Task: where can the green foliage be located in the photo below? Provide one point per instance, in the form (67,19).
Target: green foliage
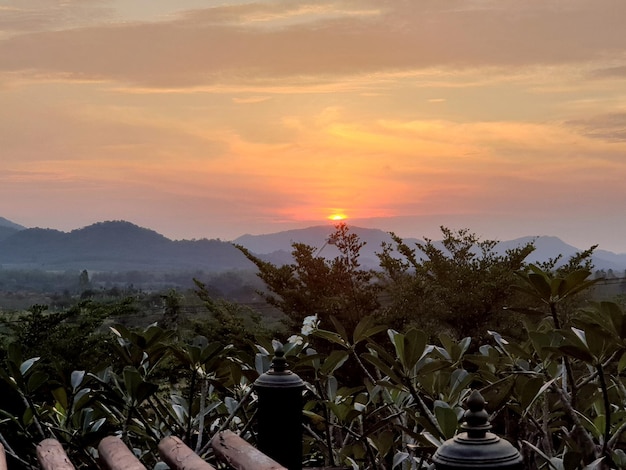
(460,286)
(60,338)
(378,395)
(316,286)
(229,322)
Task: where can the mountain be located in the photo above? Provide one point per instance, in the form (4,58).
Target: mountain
(8,228)
(273,244)
(115,246)
(7,223)
(546,247)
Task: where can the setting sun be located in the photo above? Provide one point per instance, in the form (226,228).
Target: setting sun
(337,217)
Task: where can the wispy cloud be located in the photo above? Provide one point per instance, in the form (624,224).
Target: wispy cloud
(208,46)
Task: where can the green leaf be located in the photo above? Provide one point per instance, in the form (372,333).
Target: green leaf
(595,464)
(397,339)
(541,390)
(497,393)
(340,329)
(541,285)
(60,395)
(334,361)
(530,391)
(619,458)
(431,366)
(76,379)
(576,352)
(384,368)
(27,364)
(36,380)
(331,336)
(14,353)
(446,417)
(557,288)
(398,458)
(365,329)
(414,345)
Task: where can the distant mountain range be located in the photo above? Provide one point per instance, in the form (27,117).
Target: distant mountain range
(123,246)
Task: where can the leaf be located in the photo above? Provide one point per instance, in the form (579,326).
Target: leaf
(497,393)
(398,343)
(541,285)
(60,395)
(543,388)
(262,363)
(365,328)
(331,336)
(398,458)
(619,458)
(595,464)
(577,353)
(414,345)
(446,417)
(340,329)
(463,346)
(553,464)
(36,380)
(27,364)
(384,368)
(557,288)
(76,379)
(529,392)
(459,379)
(431,366)
(334,361)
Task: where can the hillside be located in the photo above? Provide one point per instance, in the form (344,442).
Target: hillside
(8,228)
(115,246)
(122,246)
(546,247)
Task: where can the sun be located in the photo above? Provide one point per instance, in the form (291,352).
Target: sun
(337,217)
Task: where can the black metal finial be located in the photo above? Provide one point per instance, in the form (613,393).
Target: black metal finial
(476,448)
(279,363)
(476,419)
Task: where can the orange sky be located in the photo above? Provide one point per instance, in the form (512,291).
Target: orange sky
(201,118)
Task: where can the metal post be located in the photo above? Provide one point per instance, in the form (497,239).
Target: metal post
(279,415)
(476,447)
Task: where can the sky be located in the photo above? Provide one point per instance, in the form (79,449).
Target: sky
(212,119)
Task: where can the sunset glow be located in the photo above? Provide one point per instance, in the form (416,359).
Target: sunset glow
(199,118)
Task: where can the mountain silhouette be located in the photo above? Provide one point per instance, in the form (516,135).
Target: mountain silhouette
(8,228)
(116,246)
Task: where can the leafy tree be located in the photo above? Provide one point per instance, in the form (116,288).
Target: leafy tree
(83,280)
(61,338)
(460,286)
(313,285)
(229,323)
(172,310)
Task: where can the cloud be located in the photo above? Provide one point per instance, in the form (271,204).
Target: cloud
(610,72)
(250,99)
(608,127)
(19,17)
(221,44)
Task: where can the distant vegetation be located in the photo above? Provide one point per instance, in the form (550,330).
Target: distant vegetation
(389,354)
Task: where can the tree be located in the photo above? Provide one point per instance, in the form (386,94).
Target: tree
(461,285)
(314,285)
(83,280)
